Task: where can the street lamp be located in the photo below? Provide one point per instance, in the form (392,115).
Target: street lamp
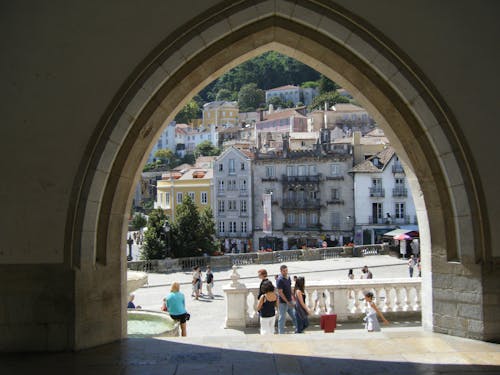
(166,230)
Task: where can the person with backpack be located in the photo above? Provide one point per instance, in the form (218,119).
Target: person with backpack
(209,279)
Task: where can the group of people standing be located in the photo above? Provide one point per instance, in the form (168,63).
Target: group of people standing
(286,301)
(198,282)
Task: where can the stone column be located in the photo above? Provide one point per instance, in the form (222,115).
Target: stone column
(236,302)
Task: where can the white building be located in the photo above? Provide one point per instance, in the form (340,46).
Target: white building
(382,199)
(232,203)
(292,93)
(167,140)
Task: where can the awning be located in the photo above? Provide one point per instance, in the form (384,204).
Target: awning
(395,232)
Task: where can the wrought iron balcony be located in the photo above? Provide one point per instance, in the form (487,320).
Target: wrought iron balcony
(301,179)
(301,227)
(335,177)
(290,203)
(399,192)
(377,192)
(335,201)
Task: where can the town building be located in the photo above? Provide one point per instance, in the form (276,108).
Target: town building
(232,204)
(382,198)
(347,116)
(220,113)
(165,141)
(174,185)
(302,198)
(294,94)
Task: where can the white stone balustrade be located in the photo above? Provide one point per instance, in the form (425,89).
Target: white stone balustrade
(397,296)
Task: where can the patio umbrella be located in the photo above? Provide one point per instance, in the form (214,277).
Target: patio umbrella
(402,236)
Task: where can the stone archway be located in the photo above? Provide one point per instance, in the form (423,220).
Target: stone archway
(335,43)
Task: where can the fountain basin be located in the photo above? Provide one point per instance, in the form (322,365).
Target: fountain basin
(147,323)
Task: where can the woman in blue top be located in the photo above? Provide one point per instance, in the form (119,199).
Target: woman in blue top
(177,307)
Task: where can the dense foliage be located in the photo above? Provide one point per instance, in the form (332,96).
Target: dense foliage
(206,148)
(155,237)
(139,221)
(268,70)
(192,232)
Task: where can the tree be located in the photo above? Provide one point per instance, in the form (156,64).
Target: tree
(250,97)
(139,221)
(155,241)
(225,95)
(186,230)
(188,113)
(331,98)
(207,231)
(206,148)
(326,85)
(276,101)
(166,156)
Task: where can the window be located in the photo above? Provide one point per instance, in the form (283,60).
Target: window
(314,194)
(179,197)
(221,206)
(302,170)
(222,227)
(242,166)
(270,171)
(312,170)
(167,199)
(243,225)
(335,170)
(290,170)
(302,219)
(231,205)
(231,185)
(221,167)
(314,219)
(231,166)
(291,219)
(377,183)
(400,210)
(221,185)
(191,195)
(243,185)
(400,182)
(243,206)
(232,226)
(204,197)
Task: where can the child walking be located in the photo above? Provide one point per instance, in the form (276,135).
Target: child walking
(371,321)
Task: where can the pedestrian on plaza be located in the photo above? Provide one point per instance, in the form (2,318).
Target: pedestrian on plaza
(284,286)
(262,273)
(419,267)
(209,279)
(371,321)
(176,306)
(301,310)
(268,302)
(411,265)
(350,274)
(196,282)
(131,304)
(366,273)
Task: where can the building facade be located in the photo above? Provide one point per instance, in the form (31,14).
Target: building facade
(220,113)
(171,189)
(382,198)
(232,204)
(293,94)
(311,199)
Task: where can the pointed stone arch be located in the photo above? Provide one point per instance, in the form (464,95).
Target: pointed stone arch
(448,199)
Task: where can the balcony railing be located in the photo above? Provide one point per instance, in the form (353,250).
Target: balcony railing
(291,203)
(407,219)
(243,192)
(234,234)
(302,227)
(269,179)
(377,192)
(335,177)
(293,179)
(335,201)
(400,192)
(397,168)
(396,298)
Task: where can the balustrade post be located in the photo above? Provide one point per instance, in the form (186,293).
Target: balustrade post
(236,302)
(339,302)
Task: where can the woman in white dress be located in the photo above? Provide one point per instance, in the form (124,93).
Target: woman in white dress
(371,321)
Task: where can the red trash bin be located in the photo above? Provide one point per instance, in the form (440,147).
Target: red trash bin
(328,322)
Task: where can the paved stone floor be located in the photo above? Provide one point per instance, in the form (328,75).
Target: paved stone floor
(401,348)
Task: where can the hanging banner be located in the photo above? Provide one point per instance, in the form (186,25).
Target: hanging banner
(267,224)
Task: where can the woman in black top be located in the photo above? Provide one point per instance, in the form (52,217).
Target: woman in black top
(268,303)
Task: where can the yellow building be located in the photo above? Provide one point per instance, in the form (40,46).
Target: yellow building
(171,189)
(220,113)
